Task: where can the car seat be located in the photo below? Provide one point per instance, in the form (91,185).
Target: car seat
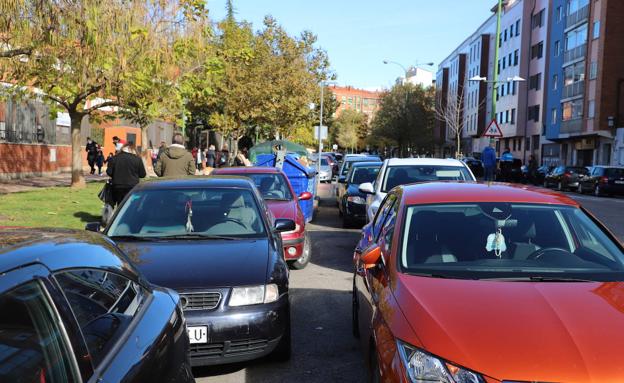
(166,216)
(522,237)
(423,240)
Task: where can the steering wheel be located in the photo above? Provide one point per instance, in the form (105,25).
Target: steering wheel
(537,254)
(234,221)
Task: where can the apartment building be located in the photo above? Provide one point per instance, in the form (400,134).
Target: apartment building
(364,101)
(586,83)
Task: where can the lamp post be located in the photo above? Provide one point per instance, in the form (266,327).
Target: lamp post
(320,127)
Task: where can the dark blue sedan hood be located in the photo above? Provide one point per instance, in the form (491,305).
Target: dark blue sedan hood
(191,264)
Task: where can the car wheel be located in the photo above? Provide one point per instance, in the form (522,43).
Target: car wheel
(283,351)
(355,321)
(346,221)
(579,189)
(303,261)
(545,184)
(597,191)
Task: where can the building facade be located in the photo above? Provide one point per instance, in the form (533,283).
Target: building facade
(419,76)
(361,100)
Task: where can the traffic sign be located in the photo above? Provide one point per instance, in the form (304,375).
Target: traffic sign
(323,132)
(493,130)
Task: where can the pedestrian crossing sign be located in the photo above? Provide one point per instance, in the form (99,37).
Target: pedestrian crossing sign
(493,130)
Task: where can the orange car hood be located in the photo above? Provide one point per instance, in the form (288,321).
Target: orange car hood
(519,331)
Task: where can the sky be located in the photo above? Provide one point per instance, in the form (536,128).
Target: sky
(359,34)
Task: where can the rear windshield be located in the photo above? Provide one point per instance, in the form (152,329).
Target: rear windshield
(271,186)
(347,165)
(403,175)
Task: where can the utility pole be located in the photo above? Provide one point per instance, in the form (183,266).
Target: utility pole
(320,129)
(496,57)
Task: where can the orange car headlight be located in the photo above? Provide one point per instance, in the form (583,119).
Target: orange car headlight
(423,367)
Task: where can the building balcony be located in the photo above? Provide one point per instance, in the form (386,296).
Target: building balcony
(573,90)
(574,54)
(572,126)
(577,17)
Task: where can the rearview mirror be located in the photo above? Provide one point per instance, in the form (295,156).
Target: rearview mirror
(371,256)
(282,225)
(93,226)
(305,196)
(367,188)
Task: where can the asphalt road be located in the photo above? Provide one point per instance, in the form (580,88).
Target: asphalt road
(323,348)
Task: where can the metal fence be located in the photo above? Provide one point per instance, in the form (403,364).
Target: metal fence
(26,122)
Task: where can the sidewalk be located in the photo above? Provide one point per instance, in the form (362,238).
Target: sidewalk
(33,183)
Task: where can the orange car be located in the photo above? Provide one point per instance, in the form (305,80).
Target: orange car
(476,283)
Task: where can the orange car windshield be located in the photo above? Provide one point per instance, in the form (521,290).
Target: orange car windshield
(489,240)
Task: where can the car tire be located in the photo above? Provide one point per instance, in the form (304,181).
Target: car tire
(355,321)
(597,191)
(303,261)
(579,189)
(545,184)
(346,222)
(283,351)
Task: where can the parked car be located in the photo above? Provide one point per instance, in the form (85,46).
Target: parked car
(565,177)
(401,171)
(516,174)
(213,240)
(350,159)
(475,165)
(525,290)
(283,204)
(73,309)
(351,201)
(541,174)
(603,180)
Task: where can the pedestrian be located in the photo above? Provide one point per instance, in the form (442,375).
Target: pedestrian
(119,143)
(211,156)
(175,161)
(506,164)
(91,149)
(99,159)
(488,157)
(125,172)
(223,157)
(532,169)
(109,158)
(241,158)
(199,159)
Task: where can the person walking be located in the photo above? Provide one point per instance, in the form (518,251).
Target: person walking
(223,157)
(532,169)
(91,150)
(211,156)
(119,143)
(199,159)
(99,160)
(175,161)
(488,157)
(241,158)
(125,171)
(506,164)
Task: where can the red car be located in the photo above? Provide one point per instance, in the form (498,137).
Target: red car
(283,203)
(477,283)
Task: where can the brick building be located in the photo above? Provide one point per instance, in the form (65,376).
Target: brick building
(364,101)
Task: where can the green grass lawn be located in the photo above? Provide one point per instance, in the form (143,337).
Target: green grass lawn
(52,207)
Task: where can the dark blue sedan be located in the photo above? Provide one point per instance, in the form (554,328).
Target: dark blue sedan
(351,201)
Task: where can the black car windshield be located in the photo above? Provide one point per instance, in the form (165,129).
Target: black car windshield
(363,174)
(347,165)
(408,174)
(271,186)
(502,240)
(209,212)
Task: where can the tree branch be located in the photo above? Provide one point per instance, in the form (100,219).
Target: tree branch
(63,103)
(15,52)
(100,106)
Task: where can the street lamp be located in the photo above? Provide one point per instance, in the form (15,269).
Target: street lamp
(406,70)
(320,128)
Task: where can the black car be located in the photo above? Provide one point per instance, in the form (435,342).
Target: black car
(603,180)
(73,309)
(475,165)
(350,159)
(351,201)
(565,177)
(214,241)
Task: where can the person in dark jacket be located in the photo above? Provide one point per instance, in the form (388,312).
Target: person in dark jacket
(91,150)
(488,157)
(175,161)
(211,156)
(125,171)
(99,160)
(223,157)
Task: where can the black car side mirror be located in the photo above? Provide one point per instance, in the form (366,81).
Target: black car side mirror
(282,225)
(93,226)
(342,180)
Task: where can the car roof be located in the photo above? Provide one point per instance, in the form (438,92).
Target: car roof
(361,157)
(59,249)
(458,192)
(361,164)
(424,161)
(246,170)
(196,182)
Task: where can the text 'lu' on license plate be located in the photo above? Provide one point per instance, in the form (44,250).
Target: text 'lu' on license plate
(197,334)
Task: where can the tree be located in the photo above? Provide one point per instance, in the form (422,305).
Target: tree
(20,35)
(451,113)
(405,118)
(350,126)
(92,60)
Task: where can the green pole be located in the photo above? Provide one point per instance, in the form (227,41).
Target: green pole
(496,55)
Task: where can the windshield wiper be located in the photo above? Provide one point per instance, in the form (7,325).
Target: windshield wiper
(196,236)
(130,238)
(536,279)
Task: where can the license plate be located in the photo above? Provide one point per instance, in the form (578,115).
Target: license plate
(197,334)
(619,182)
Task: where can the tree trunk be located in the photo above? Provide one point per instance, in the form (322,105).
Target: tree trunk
(77,180)
(458,152)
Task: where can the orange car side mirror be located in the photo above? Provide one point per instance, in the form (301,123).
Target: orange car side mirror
(371,256)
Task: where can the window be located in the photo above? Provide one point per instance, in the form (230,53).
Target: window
(559,14)
(557,48)
(537,50)
(506,117)
(537,20)
(536,141)
(504,62)
(516,57)
(553,116)
(380,218)
(535,82)
(555,82)
(572,110)
(513,116)
(596,33)
(591,109)
(518,27)
(534,113)
(514,145)
(505,35)
(593,70)
(527,144)
(519,144)
(513,87)
(576,37)
(32,346)
(511,30)
(401,175)
(574,73)
(103,303)
(388,229)
(499,65)
(576,5)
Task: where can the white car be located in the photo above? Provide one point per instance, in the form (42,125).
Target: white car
(401,171)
